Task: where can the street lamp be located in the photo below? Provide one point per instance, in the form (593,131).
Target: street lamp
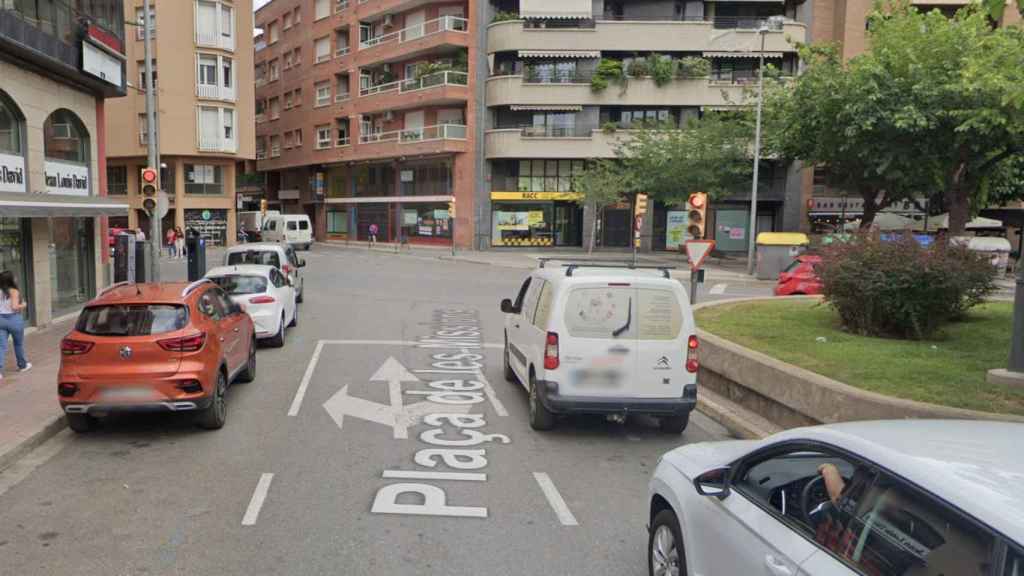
(772,24)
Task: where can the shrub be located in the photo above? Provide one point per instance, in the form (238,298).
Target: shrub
(609,127)
(900,288)
(607,71)
(662,68)
(638,68)
(504,17)
(692,67)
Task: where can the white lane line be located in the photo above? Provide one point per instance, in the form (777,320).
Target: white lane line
(555,499)
(717,289)
(499,408)
(253,511)
(22,467)
(301,392)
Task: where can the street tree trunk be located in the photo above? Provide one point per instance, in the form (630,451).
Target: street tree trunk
(871,207)
(593,229)
(958,200)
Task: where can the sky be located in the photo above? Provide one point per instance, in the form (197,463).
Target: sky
(257,4)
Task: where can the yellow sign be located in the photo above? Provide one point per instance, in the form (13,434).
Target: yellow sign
(535,217)
(534,196)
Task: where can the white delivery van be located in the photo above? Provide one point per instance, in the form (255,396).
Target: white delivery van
(293,229)
(602,339)
(253,221)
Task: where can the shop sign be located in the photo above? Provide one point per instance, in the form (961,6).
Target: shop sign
(441,214)
(534,196)
(535,218)
(12,173)
(210,224)
(675,229)
(409,217)
(407,175)
(511,220)
(65,178)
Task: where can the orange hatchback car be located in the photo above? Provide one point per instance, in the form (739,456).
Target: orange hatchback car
(155,347)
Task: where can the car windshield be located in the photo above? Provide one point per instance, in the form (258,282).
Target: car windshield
(241,284)
(132,319)
(265,257)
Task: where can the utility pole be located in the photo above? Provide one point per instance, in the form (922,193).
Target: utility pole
(154,157)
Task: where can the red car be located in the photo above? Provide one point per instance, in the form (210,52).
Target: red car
(799,277)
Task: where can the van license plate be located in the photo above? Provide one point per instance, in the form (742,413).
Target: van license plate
(597,379)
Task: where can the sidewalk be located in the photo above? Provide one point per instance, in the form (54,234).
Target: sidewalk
(716,268)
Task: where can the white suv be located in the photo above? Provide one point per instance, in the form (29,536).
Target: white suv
(601,339)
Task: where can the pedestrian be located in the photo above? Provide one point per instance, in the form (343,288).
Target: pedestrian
(140,236)
(171,248)
(373,234)
(11,321)
(179,241)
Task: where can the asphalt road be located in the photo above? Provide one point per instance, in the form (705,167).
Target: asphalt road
(304,479)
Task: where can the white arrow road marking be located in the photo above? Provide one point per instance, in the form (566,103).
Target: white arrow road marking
(717,289)
(555,499)
(394,374)
(252,513)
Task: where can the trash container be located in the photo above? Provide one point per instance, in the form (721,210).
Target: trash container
(776,251)
(997,249)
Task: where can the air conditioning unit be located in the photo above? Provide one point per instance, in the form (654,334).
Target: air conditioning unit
(389,116)
(389,20)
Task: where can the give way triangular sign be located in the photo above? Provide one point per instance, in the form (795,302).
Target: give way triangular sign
(697,251)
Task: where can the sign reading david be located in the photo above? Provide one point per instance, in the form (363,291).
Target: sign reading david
(12,173)
(66,178)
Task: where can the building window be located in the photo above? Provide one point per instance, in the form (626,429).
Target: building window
(322,49)
(287,20)
(275,146)
(65,138)
(298,137)
(261,73)
(207,70)
(11,127)
(142,73)
(143,130)
(323,93)
(322,9)
(548,175)
(217,129)
(275,108)
(341,87)
(117,180)
(203,179)
(229,124)
(298,15)
(275,70)
(227,67)
(289,140)
(272,32)
(227,26)
(215,25)
(342,129)
(261,148)
(323,137)
(298,55)
(298,96)
(289,101)
(288,60)
(140,17)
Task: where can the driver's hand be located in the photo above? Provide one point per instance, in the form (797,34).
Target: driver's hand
(834,482)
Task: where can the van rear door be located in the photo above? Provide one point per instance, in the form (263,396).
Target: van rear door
(598,346)
(662,333)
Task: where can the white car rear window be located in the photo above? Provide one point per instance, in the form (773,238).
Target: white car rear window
(601,312)
(658,314)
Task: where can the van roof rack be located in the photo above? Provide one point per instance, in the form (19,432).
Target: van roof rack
(572,265)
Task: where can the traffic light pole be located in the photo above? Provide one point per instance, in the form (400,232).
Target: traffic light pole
(154,158)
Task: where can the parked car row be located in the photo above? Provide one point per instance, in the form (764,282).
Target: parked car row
(176,347)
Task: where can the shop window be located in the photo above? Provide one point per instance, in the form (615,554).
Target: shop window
(203,179)
(65,138)
(73,284)
(337,222)
(11,126)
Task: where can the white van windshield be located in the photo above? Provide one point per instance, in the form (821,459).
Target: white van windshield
(617,312)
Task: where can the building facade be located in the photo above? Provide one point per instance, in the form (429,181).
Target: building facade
(59,62)
(365,116)
(205,126)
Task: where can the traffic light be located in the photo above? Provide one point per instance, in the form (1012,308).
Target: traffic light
(451,209)
(150,186)
(697,205)
(640,206)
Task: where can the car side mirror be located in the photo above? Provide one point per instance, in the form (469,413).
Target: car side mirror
(239,308)
(713,483)
(301,263)
(507,307)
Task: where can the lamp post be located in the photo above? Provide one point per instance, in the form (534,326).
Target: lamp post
(772,24)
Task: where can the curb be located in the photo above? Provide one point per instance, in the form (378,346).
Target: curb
(49,430)
(739,421)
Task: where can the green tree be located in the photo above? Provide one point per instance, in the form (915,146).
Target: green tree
(996,9)
(601,184)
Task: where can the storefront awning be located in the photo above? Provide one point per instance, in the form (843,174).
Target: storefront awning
(19,205)
(559,53)
(548,107)
(578,9)
(745,54)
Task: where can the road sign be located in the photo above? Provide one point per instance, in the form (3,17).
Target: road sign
(162,204)
(697,251)
(395,414)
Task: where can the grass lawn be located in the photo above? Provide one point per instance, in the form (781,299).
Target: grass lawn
(949,370)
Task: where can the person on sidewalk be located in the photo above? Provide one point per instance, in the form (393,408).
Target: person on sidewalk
(140,236)
(11,321)
(169,240)
(179,242)
(373,234)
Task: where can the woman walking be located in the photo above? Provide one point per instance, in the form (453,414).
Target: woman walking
(171,245)
(11,322)
(179,241)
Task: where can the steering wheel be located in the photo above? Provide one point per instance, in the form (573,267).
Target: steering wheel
(805,497)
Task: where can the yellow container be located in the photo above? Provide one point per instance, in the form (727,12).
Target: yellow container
(783,239)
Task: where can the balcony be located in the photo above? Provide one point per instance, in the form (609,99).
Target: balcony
(261,118)
(341,51)
(342,142)
(551,142)
(643,35)
(215,92)
(340,6)
(415,40)
(217,143)
(372,8)
(437,89)
(437,139)
(514,90)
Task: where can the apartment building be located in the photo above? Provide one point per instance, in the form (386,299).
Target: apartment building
(365,115)
(59,62)
(203,74)
(546,117)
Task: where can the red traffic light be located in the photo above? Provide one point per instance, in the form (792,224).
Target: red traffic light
(148,175)
(697,200)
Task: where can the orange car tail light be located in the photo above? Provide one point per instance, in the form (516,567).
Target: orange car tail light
(71,347)
(190,343)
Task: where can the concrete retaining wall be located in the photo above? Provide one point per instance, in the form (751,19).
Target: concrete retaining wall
(790,396)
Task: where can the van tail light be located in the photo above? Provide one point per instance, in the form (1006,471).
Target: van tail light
(70,347)
(190,343)
(691,354)
(551,352)
(262,300)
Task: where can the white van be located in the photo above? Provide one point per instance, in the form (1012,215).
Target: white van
(602,339)
(294,229)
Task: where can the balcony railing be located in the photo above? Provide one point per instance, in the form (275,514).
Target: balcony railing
(341,51)
(275,150)
(342,141)
(534,76)
(261,118)
(558,131)
(413,135)
(261,154)
(143,138)
(443,78)
(215,92)
(340,5)
(341,97)
(217,144)
(428,28)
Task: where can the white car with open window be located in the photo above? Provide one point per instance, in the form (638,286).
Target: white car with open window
(602,339)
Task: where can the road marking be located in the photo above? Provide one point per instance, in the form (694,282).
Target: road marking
(492,345)
(21,468)
(418,475)
(253,511)
(301,392)
(717,289)
(499,408)
(555,499)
